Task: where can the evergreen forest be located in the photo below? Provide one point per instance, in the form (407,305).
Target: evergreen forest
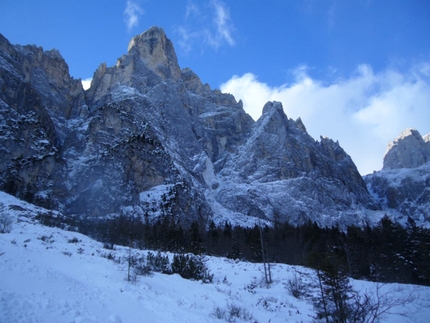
(387,252)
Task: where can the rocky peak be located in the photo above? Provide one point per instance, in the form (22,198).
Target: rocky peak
(192,82)
(157,52)
(408,150)
(402,186)
(427,141)
(44,77)
(151,59)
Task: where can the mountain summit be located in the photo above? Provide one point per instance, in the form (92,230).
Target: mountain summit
(149,139)
(408,150)
(403,185)
(157,52)
(151,58)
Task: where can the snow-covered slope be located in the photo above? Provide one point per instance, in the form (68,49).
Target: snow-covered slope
(51,275)
(403,192)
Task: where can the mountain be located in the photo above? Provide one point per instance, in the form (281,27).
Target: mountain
(150,139)
(402,187)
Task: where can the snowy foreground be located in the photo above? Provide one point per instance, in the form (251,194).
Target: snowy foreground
(51,275)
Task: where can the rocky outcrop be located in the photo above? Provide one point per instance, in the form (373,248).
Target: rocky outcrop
(402,187)
(151,140)
(282,173)
(408,150)
(38,98)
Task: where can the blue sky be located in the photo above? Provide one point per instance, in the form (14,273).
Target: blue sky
(356,71)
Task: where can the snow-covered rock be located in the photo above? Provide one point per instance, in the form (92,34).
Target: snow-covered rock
(145,123)
(402,187)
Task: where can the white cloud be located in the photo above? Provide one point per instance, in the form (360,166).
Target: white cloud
(191,9)
(132,14)
(223,22)
(210,25)
(86,83)
(364,112)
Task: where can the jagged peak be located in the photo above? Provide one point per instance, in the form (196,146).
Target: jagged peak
(408,132)
(150,57)
(408,150)
(156,50)
(273,107)
(192,81)
(299,123)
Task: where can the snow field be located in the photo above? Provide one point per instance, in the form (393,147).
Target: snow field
(51,275)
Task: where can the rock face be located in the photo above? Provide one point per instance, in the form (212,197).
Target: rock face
(409,150)
(149,139)
(403,186)
(37,99)
(283,173)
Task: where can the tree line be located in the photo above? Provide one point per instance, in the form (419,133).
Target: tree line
(387,252)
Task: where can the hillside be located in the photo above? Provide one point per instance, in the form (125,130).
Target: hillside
(51,275)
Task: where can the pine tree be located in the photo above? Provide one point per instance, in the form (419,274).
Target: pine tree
(335,292)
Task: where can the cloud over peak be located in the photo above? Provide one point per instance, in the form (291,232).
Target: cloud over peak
(364,111)
(223,22)
(132,14)
(209,24)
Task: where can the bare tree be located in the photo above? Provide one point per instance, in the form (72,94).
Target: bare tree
(267,271)
(373,306)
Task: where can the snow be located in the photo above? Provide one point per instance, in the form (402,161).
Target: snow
(400,180)
(155,194)
(396,176)
(153,198)
(123,92)
(51,275)
(208,173)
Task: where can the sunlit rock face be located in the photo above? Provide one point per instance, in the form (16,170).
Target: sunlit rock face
(150,139)
(151,59)
(408,150)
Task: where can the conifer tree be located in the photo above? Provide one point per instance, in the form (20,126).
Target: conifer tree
(335,292)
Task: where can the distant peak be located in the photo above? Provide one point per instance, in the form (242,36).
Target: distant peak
(408,150)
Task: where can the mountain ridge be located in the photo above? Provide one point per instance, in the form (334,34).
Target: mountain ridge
(146,126)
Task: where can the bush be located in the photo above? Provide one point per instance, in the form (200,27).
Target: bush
(295,286)
(5,223)
(191,267)
(219,313)
(269,303)
(158,262)
(73,240)
(232,313)
(140,266)
(109,246)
